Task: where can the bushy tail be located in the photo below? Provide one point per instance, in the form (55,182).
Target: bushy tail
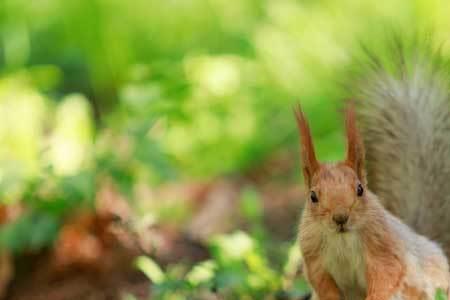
(403,110)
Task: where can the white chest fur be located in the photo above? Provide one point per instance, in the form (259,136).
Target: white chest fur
(343,258)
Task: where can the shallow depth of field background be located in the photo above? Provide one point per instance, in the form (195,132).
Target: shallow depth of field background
(176,117)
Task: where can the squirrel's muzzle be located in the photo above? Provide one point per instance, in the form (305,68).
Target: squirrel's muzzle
(340,219)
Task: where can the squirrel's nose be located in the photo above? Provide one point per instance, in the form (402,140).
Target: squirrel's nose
(340,219)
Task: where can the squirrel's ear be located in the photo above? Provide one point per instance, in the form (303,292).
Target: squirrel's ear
(355,146)
(309,162)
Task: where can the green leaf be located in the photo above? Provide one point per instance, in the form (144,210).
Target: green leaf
(440,295)
(32,231)
(151,269)
(202,272)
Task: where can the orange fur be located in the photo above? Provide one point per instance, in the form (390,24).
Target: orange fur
(324,283)
(413,293)
(385,268)
(310,163)
(355,147)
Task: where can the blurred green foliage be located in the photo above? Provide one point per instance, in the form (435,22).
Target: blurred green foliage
(237,270)
(151,91)
(219,79)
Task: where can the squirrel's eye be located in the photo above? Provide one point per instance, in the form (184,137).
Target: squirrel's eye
(359,190)
(314,198)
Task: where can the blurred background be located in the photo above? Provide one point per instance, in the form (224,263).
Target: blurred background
(148,148)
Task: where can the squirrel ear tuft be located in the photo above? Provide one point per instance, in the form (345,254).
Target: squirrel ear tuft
(355,146)
(310,165)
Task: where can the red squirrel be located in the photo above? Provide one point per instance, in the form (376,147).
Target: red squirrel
(353,248)
(390,197)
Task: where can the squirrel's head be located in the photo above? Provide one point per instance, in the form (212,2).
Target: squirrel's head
(337,195)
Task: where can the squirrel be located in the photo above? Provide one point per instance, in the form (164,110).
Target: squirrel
(373,226)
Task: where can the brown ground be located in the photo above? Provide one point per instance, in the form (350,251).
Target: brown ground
(110,276)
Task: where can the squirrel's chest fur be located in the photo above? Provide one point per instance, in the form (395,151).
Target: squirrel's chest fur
(342,256)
